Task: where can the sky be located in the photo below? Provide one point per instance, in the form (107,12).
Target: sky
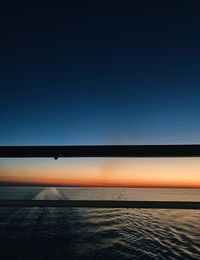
(99,72)
(102,172)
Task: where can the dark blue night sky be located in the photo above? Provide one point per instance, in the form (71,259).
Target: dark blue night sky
(100,72)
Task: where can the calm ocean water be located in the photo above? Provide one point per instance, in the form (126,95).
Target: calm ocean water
(59,233)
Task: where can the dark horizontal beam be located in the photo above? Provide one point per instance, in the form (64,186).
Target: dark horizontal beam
(101,204)
(101,151)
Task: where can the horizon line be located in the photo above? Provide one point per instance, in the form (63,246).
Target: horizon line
(11,184)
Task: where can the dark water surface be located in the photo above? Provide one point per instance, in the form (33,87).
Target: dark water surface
(59,233)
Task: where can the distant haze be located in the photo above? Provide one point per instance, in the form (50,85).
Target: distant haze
(103,172)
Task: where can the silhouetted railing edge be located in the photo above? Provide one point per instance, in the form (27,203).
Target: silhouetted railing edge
(102,204)
(101,151)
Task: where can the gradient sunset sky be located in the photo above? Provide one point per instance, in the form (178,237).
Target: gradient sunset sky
(100,72)
(102,172)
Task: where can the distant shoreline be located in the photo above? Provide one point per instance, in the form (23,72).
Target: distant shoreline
(91,186)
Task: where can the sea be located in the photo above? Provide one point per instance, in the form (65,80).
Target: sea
(98,233)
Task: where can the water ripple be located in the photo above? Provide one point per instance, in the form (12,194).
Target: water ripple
(52,233)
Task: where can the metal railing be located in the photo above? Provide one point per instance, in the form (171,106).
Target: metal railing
(143,151)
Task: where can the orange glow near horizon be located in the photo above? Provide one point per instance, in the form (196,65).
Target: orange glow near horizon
(180,173)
